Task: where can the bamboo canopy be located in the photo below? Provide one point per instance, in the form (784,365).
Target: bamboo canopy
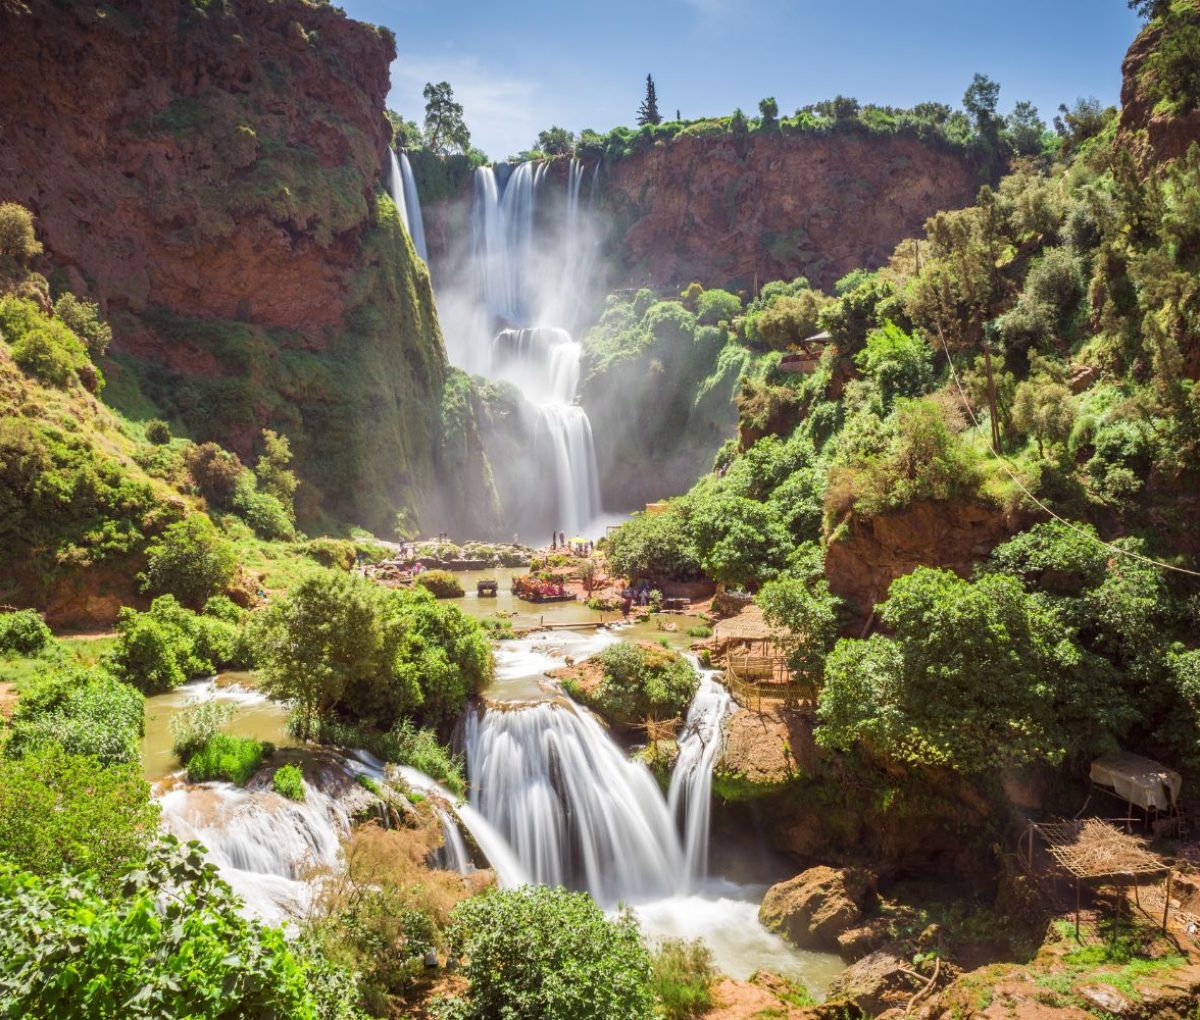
(1091,848)
(746,628)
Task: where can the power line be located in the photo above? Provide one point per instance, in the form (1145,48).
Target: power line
(1037,502)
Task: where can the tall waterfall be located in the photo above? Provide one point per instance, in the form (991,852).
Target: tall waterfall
(530,263)
(402,187)
(575,811)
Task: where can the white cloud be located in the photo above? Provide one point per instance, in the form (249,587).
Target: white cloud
(504,111)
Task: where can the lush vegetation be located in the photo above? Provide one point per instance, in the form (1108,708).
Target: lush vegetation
(682,975)
(442,583)
(226,757)
(640,682)
(339,647)
(547,953)
(288,781)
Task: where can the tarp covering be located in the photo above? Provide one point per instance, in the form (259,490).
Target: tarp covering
(1138,780)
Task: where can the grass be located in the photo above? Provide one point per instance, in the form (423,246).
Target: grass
(700,631)
(288,781)
(233,759)
(682,978)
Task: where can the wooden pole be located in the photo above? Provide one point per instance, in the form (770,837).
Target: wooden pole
(1077,904)
(1167,902)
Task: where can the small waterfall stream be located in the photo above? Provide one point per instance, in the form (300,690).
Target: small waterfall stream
(402,187)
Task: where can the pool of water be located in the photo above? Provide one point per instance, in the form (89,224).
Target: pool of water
(254,715)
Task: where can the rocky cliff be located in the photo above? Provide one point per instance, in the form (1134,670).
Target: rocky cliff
(776,206)
(208,170)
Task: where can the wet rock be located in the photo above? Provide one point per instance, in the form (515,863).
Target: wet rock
(814,908)
(875,983)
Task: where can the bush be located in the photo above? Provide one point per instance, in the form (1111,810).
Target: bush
(340,645)
(234,759)
(716,306)
(331,552)
(49,355)
(653,546)
(191,561)
(551,954)
(900,363)
(195,725)
(128,954)
(158,432)
(61,810)
(215,472)
(288,782)
(682,976)
(269,518)
(83,318)
(442,583)
(18,241)
(642,681)
(167,645)
(83,711)
(404,744)
(23,632)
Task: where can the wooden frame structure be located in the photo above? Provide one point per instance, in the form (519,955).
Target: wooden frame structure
(1091,849)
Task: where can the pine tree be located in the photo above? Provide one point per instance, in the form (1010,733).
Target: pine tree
(648,111)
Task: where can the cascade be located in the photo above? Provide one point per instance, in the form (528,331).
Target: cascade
(402,187)
(575,811)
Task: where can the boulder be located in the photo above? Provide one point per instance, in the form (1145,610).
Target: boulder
(874,984)
(814,908)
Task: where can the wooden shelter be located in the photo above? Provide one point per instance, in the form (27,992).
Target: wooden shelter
(803,360)
(1091,849)
(756,660)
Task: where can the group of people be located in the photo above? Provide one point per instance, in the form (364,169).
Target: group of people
(558,540)
(638,595)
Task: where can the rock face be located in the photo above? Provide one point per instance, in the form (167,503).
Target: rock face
(1160,137)
(209,173)
(763,752)
(874,984)
(776,206)
(814,908)
(862,563)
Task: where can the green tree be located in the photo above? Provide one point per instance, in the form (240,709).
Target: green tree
(551,954)
(980,101)
(556,142)
(808,611)
(654,546)
(1025,130)
(648,111)
(406,134)
(445,130)
(769,110)
(900,363)
(18,241)
(1150,9)
(215,472)
(1044,409)
(191,561)
(84,319)
(61,810)
(969,681)
(274,476)
(740,541)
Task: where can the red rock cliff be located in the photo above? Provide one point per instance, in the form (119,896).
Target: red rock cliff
(776,206)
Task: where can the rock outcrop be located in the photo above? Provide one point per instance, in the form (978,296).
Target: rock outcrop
(864,559)
(814,908)
(1158,135)
(210,174)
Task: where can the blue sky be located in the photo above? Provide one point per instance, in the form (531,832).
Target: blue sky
(519,67)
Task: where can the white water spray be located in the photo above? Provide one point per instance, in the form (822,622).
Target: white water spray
(402,187)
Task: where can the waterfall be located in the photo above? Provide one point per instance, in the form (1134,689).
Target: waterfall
(529,268)
(402,187)
(690,796)
(412,204)
(573,809)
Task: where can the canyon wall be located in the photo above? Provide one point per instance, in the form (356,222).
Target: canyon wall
(208,171)
(774,206)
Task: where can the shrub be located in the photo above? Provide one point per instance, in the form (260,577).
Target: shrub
(61,810)
(275,479)
(83,318)
(49,355)
(191,561)
(331,552)
(404,744)
(643,681)
(716,306)
(699,631)
(340,645)
(195,725)
(18,241)
(288,782)
(23,632)
(83,711)
(234,759)
(158,432)
(549,953)
(215,473)
(442,583)
(900,363)
(127,953)
(264,513)
(654,546)
(681,977)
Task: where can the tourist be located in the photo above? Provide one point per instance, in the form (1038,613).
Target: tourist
(553,541)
